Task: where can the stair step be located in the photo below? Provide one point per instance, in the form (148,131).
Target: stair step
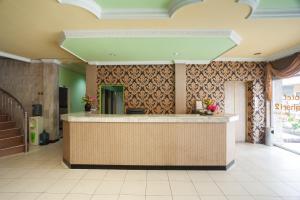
(12,150)
(8,135)
(4,118)
(11,141)
(7,125)
(11,130)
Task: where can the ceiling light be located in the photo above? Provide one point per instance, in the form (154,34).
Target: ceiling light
(256,54)
(112,54)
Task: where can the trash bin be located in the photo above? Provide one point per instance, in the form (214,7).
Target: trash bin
(269,136)
(44,138)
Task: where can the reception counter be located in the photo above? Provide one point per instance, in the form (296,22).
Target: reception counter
(149,141)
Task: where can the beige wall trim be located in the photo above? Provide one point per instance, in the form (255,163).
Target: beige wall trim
(180,88)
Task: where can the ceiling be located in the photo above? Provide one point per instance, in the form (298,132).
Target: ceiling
(131,9)
(34,29)
(148,46)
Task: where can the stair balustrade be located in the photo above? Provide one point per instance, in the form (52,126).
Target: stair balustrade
(11,106)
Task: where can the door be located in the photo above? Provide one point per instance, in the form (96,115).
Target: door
(63,104)
(235,103)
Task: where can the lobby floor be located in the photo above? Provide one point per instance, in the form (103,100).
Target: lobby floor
(260,172)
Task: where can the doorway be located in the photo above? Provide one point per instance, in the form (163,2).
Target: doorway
(63,105)
(285,116)
(236,103)
(112,99)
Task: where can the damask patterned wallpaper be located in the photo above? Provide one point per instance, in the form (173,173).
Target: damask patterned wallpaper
(209,81)
(150,86)
(153,88)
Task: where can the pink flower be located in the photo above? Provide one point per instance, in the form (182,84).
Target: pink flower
(212,108)
(93,98)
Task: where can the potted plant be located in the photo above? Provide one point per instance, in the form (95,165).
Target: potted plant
(88,100)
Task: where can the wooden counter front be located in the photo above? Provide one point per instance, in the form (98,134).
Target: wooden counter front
(149,145)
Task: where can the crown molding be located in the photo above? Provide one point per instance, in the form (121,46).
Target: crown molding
(51,61)
(14,56)
(138,14)
(72,53)
(96,9)
(257,13)
(240,59)
(274,13)
(251,3)
(89,5)
(152,33)
(47,61)
(195,62)
(163,62)
(178,4)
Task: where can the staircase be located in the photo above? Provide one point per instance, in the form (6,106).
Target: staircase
(13,125)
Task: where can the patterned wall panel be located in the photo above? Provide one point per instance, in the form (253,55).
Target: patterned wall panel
(150,86)
(153,88)
(208,81)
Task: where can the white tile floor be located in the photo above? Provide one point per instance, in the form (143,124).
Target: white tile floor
(260,173)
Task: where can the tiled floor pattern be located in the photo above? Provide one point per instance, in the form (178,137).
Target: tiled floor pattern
(260,173)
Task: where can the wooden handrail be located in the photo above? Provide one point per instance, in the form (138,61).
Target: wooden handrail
(14,98)
(7,97)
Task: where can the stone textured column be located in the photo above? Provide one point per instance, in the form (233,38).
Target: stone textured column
(50,99)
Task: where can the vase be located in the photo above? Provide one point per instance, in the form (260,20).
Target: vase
(208,112)
(87,107)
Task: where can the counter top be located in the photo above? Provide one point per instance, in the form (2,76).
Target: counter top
(148,118)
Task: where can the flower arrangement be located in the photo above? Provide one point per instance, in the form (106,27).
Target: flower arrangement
(88,100)
(210,106)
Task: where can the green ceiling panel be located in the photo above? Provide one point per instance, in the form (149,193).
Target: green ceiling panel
(134,4)
(131,9)
(273,8)
(134,49)
(279,4)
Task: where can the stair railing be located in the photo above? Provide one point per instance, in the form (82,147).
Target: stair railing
(11,106)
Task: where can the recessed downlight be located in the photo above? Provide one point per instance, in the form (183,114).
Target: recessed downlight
(112,54)
(175,54)
(257,53)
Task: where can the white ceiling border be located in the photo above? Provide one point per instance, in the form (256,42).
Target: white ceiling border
(90,5)
(101,13)
(257,13)
(252,3)
(274,13)
(130,62)
(177,4)
(165,62)
(151,33)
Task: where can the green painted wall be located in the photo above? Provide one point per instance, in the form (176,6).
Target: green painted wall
(76,84)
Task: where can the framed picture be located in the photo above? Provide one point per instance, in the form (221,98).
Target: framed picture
(199,105)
